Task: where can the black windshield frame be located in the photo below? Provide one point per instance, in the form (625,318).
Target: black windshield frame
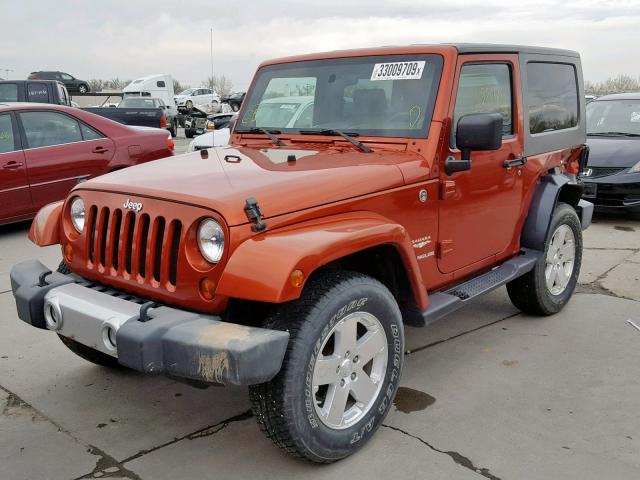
(269,72)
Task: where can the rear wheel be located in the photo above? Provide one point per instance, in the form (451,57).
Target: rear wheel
(84,352)
(341,370)
(174,128)
(83,89)
(548,287)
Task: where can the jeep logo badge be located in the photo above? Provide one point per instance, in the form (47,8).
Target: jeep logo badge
(135,206)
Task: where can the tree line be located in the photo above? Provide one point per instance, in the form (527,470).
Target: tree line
(618,84)
(219,83)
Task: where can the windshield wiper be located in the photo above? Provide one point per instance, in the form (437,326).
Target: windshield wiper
(613,134)
(268,133)
(347,136)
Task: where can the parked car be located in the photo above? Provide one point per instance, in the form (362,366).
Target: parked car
(291,259)
(151,102)
(157,86)
(143,117)
(612,174)
(192,97)
(213,138)
(199,122)
(234,100)
(45,150)
(39,91)
(292,112)
(72,83)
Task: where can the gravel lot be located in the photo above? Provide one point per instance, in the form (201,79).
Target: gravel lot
(488,392)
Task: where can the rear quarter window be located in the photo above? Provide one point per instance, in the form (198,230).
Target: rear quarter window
(552,98)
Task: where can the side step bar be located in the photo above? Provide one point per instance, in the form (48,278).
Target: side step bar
(442,304)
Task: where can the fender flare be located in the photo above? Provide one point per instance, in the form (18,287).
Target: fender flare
(552,188)
(260,268)
(45,228)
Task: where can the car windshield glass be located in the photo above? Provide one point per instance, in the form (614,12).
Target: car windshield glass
(138,102)
(613,117)
(389,96)
(188,91)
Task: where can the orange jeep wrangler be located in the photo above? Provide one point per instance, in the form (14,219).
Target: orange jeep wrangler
(361,191)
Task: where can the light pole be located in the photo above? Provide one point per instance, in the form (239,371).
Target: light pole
(211,58)
(6,72)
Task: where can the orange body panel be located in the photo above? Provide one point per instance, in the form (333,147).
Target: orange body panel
(332,201)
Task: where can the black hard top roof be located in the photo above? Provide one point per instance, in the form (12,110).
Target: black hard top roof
(505,48)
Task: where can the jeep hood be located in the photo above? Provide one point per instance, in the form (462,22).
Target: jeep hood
(227,176)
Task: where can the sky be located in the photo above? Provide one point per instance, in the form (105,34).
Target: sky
(128,39)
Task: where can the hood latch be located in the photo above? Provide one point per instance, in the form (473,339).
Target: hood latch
(254,214)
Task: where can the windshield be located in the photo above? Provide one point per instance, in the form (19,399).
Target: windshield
(188,91)
(613,117)
(138,102)
(389,96)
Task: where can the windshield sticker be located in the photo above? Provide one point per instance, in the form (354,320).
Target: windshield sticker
(398,71)
(635,117)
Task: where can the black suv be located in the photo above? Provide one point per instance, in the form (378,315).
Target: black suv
(73,84)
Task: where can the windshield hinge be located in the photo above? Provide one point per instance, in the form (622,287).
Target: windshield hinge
(254,214)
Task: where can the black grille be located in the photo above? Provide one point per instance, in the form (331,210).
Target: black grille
(602,171)
(130,245)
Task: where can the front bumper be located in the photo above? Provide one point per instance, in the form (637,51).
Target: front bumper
(614,192)
(154,340)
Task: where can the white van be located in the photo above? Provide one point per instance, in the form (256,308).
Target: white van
(158,86)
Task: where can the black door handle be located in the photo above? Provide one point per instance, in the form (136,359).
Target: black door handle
(100,149)
(518,162)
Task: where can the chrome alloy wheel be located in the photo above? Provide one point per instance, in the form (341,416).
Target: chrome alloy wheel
(349,370)
(560,259)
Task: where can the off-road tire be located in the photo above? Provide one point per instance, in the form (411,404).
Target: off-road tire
(174,128)
(284,407)
(84,352)
(529,292)
(188,132)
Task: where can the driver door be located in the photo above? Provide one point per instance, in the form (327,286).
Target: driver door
(480,208)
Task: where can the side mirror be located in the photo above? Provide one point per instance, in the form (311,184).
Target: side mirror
(476,131)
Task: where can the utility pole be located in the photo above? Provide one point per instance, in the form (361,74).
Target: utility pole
(211,58)
(6,72)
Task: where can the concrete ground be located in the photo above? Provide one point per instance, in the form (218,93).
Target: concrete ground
(488,392)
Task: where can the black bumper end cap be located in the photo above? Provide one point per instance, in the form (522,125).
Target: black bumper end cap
(28,291)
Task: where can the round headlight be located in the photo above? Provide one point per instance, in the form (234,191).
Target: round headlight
(77,213)
(211,240)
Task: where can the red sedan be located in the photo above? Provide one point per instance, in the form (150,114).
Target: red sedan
(47,149)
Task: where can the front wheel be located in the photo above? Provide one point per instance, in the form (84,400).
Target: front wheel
(83,89)
(547,288)
(341,369)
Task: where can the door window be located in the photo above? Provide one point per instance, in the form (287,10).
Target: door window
(37,92)
(46,128)
(485,88)
(7,140)
(8,92)
(66,76)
